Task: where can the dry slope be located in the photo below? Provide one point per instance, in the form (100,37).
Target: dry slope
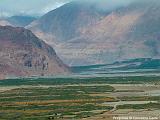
(23,54)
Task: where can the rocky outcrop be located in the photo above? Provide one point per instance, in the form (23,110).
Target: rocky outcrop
(23,54)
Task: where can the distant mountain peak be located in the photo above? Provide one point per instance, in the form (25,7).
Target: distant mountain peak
(20,21)
(73,15)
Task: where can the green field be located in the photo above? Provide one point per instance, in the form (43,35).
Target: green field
(81,80)
(67,98)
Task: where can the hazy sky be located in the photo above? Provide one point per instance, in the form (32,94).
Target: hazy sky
(29,7)
(40,7)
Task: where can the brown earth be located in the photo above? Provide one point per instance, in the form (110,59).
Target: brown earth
(23,54)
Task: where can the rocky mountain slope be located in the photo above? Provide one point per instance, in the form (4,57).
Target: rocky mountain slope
(83,35)
(23,54)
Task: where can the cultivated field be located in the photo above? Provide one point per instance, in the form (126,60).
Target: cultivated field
(100,98)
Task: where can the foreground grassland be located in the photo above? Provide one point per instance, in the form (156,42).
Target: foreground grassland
(76,98)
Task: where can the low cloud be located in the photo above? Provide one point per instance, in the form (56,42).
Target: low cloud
(28,7)
(112,4)
(40,7)
(109,4)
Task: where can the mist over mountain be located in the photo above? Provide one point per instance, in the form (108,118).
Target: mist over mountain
(83,34)
(107,5)
(23,7)
(34,8)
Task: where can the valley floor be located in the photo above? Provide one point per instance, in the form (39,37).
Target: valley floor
(101,98)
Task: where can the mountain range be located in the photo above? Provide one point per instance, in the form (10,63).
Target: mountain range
(17,21)
(133,66)
(84,35)
(80,33)
(20,21)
